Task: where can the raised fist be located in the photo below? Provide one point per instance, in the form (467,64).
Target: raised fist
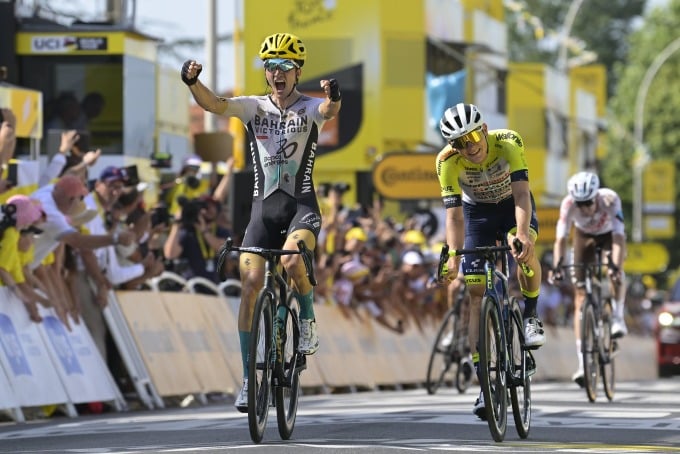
(190,72)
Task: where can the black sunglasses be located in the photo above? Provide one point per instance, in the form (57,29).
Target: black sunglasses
(585,203)
(33,230)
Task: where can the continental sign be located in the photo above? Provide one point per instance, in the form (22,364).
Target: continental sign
(407,176)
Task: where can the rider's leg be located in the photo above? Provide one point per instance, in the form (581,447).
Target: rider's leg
(579,298)
(302,289)
(251,268)
(295,268)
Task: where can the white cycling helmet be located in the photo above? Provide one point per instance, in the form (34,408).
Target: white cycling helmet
(460,120)
(583,186)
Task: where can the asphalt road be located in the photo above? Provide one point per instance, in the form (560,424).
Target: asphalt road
(643,418)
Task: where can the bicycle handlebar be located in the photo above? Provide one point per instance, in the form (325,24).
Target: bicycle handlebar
(269,254)
(442,267)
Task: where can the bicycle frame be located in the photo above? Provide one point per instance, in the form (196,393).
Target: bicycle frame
(603,345)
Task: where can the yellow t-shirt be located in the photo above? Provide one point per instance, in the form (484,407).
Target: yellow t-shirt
(9,255)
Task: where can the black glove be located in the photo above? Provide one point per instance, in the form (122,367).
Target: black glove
(335,90)
(185,70)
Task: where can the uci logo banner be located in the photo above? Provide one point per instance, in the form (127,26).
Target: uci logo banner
(62,44)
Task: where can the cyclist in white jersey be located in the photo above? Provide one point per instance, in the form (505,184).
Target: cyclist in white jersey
(597,218)
(283,129)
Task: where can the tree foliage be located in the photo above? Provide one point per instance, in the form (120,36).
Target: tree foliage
(661,118)
(602,25)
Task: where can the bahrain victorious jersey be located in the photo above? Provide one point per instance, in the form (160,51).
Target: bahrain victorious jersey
(608,216)
(282,142)
(488,182)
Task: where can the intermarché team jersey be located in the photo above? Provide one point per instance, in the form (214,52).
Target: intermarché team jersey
(608,216)
(488,182)
(282,142)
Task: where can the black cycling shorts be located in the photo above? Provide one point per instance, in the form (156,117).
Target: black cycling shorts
(272,219)
(484,222)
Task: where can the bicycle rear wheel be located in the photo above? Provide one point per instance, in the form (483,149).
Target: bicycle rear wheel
(591,351)
(289,363)
(608,352)
(260,365)
(441,357)
(520,388)
(491,369)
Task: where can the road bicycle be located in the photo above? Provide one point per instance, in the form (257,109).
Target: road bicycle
(506,364)
(274,362)
(598,347)
(451,349)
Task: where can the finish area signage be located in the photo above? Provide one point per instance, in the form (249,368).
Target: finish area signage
(407,176)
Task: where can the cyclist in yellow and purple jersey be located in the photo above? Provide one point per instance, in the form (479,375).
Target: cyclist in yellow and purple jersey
(484,182)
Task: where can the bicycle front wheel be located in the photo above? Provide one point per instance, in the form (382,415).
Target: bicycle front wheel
(520,388)
(441,356)
(591,350)
(492,369)
(260,359)
(608,352)
(289,363)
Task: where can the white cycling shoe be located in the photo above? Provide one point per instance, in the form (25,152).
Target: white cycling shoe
(534,336)
(619,328)
(309,341)
(241,402)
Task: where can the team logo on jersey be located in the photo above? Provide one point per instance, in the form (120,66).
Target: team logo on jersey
(311,219)
(511,136)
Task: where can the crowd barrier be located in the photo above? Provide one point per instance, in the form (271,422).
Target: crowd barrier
(184,343)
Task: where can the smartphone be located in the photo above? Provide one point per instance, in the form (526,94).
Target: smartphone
(13,174)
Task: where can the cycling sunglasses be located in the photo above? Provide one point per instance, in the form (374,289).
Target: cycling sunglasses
(471,137)
(585,203)
(281,64)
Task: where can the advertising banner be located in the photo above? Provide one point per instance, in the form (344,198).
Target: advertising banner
(25,357)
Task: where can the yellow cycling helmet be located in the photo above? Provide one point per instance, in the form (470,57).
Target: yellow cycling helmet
(283,45)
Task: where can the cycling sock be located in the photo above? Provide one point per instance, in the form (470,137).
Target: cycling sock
(306,305)
(530,303)
(579,355)
(475,362)
(244,337)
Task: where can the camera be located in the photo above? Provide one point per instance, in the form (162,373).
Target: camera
(160,215)
(192,181)
(191,210)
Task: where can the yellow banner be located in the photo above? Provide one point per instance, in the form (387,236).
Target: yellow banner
(658,189)
(407,176)
(26,105)
(644,258)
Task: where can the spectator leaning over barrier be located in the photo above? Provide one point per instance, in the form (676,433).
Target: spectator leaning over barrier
(59,200)
(106,271)
(285,209)
(18,225)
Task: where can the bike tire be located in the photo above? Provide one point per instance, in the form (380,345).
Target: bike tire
(607,368)
(491,372)
(260,365)
(591,353)
(441,356)
(520,389)
(289,362)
